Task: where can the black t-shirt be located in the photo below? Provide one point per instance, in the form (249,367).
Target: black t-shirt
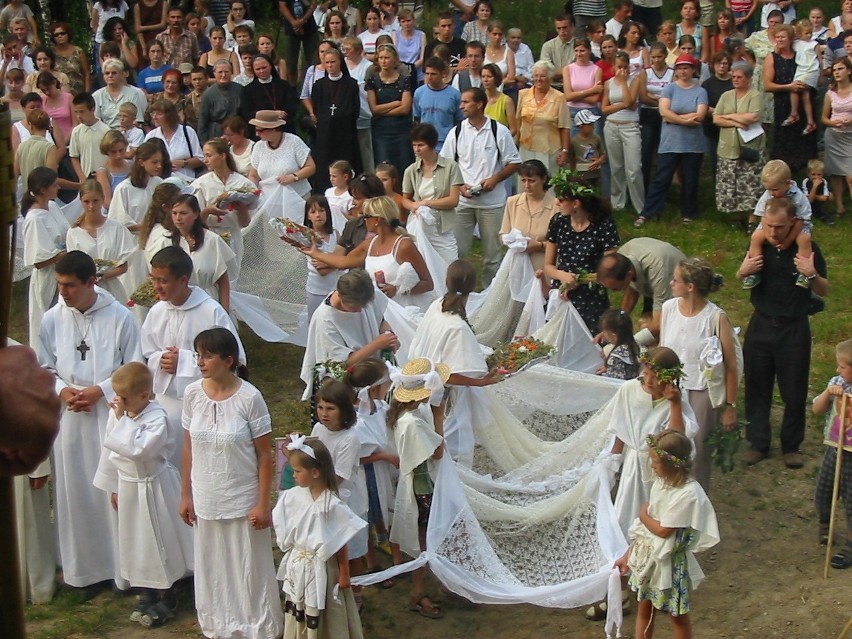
(457,50)
(777,293)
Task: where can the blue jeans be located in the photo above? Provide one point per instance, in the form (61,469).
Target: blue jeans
(667,164)
(747,28)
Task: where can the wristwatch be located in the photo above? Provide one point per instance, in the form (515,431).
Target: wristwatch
(812,277)
(731,404)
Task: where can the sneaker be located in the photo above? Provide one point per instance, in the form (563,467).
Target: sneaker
(144,600)
(752,457)
(750,281)
(802,281)
(793,460)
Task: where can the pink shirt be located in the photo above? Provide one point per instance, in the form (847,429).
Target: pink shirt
(61,115)
(582,78)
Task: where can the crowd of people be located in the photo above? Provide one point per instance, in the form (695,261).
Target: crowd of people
(144,161)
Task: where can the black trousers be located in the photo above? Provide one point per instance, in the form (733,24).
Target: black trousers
(776,350)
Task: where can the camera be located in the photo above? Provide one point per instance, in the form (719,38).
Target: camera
(475,191)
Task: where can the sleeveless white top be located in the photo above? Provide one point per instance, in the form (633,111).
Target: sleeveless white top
(685,336)
(399,274)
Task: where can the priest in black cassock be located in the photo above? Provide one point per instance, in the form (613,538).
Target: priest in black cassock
(268,92)
(337,104)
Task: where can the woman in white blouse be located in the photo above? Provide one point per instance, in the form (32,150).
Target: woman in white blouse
(181,140)
(227,221)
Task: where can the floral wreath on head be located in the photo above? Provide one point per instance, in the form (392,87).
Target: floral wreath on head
(568,183)
(664,454)
(668,375)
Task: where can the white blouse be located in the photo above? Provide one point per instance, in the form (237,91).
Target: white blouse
(224,461)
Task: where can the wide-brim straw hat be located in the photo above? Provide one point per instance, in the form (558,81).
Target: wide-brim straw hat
(418,391)
(267,119)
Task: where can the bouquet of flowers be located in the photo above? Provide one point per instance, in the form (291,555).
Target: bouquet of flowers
(294,233)
(518,355)
(102,266)
(145,295)
(584,278)
(240,195)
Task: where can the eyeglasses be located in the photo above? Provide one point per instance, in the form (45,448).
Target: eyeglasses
(60,33)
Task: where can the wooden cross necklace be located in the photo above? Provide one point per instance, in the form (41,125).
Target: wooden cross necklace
(83,347)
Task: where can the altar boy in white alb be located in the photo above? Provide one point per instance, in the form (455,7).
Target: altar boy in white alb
(83,340)
(170,329)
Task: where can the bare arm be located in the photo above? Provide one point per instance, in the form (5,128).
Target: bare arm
(224,286)
(260,516)
(187,509)
(652,524)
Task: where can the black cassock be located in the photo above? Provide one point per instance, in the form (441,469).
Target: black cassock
(337,106)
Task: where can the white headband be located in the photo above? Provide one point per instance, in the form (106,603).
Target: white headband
(297,442)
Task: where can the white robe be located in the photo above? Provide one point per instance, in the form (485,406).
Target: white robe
(44,238)
(128,206)
(36,534)
(85,520)
(447,339)
(635,416)
(416,441)
(158,239)
(309,533)
(206,189)
(210,262)
(168,325)
(112,241)
(154,544)
(372,431)
(335,335)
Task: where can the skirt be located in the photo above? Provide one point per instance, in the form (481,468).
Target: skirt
(339,620)
(838,152)
(674,600)
(236,591)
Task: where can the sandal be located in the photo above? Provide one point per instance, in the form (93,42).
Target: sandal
(810,128)
(157,615)
(425,607)
(843,558)
(790,121)
(640,222)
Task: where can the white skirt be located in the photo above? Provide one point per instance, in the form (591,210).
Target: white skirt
(236,592)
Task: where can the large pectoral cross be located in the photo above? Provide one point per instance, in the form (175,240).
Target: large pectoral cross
(332,108)
(83,348)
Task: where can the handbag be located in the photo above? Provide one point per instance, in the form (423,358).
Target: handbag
(712,366)
(749,154)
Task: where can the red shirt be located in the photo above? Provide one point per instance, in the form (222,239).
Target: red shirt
(608,70)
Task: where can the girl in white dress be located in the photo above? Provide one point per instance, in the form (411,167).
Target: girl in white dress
(336,414)
(370,382)
(388,255)
(677,520)
(227,477)
(340,173)
(101,239)
(157,228)
(211,257)
(418,443)
(130,202)
(45,228)
(322,278)
(312,526)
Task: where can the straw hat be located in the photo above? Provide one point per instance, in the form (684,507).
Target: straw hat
(267,120)
(419,379)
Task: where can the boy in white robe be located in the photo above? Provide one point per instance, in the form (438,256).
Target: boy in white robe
(154,546)
(169,330)
(83,340)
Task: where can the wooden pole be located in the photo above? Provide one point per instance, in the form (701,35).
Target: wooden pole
(835,493)
(11,595)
